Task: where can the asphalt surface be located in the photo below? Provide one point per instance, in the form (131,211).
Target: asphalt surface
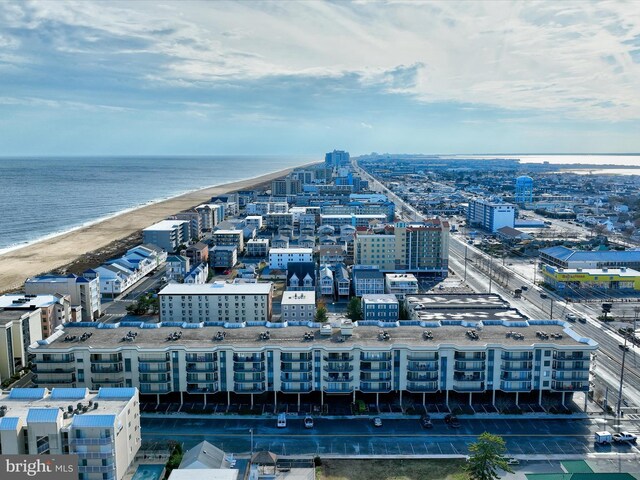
(524,437)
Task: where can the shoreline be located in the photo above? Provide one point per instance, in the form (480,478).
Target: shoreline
(108,235)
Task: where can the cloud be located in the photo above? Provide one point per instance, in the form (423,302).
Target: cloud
(366,125)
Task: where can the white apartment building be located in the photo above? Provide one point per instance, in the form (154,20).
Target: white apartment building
(262,208)
(55,309)
(439,361)
(102,428)
(258,247)
(400,284)
(18,330)
(212,302)
(83,291)
(280,257)
(211,214)
(253,221)
(490,215)
(298,306)
(168,234)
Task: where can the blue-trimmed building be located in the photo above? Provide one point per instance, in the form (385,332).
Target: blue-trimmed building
(382,308)
(563,257)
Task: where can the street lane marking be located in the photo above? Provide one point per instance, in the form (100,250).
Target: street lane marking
(389,435)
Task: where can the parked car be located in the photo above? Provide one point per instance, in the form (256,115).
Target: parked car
(282,420)
(624,437)
(582,319)
(308,422)
(544,295)
(452,421)
(425,421)
(513,461)
(524,288)
(377,422)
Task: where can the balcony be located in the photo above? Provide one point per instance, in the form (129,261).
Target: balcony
(296,367)
(56,359)
(296,387)
(514,366)
(154,359)
(422,377)
(154,388)
(295,357)
(515,386)
(375,357)
(517,356)
(374,387)
(570,386)
(261,377)
(380,377)
(569,356)
(107,381)
(339,379)
(343,357)
(296,377)
(96,468)
(191,357)
(242,388)
(375,367)
(206,367)
(245,368)
(106,359)
(248,358)
(202,387)
(570,376)
(42,369)
(470,356)
(154,367)
(461,377)
(92,441)
(422,386)
(423,357)
(415,366)
(570,366)
(159,379)
(338,367)
(469,367)
(104,369)
(58,381)
(195,377)
(468,386)
(338,389)
(94,455)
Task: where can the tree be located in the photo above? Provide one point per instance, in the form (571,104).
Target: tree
(354,310)
(321,314)
(487,456)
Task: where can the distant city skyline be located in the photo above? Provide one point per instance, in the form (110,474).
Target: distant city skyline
(195,78)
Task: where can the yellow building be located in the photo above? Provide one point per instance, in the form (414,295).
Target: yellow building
(601,278)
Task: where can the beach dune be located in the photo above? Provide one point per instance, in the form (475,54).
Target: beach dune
(55,252)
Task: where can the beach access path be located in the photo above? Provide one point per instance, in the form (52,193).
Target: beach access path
(46,255)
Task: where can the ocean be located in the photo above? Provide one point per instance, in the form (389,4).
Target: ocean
(42,197)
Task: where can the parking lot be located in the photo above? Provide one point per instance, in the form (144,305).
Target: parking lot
(524,437)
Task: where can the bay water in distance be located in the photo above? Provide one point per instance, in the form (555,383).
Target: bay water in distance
(45,196)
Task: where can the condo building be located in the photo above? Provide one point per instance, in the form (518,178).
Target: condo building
(83,291)
(18,330)
(54,309)
(228,302)
(102,428)
(216,361)
(168,234)
(490,215)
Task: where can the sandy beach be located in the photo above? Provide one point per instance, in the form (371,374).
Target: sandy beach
(41,257)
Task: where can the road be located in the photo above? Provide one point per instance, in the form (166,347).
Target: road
(533,305)
(524,437)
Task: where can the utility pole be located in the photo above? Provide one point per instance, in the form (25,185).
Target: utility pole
(251,432)
(490,272)
(624,354)
(551,312)
(535,270)
(465,263)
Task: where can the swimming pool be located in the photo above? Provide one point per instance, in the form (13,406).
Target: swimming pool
(149,472)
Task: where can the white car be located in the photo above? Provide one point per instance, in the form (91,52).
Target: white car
(624,437)
(377,422)
(308,422)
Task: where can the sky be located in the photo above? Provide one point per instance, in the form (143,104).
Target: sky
(286,77)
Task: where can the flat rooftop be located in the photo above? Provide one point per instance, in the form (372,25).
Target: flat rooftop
(618,272)
(165,225)
(298,298)
(27,301)
(217,288)
(249,337)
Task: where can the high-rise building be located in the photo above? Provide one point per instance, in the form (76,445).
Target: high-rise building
(336,159)
(490,215)
(524,189)
(286,186)
(84,291)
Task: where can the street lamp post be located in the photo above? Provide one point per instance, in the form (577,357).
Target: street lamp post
(619,406)
(465,263)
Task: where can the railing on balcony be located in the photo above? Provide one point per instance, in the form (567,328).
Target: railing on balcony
(245,368)
(570,386)
(242,388)
(422,377)
(469,367)
(570,376)
(202,387)
(375,377)
(515,386)
(153,358)
(292,386)
(422,386)
(375,357)
(338,367)
(339,379)
(261,377)
(569,356)
(92,441)
(96,468)
(415,366)
(107,381)
(516,376)
(202,367)
(296,357)
(372,387)
(154,367)
(248,358)
(338,388)
(375,366)
(106,358)
(517,356)
(155,379)
(196,358)
(51,371)
(461,377)
(470,356)
(154,388)
(296,367)
(514,366)
(104,369)
(94,455)
(423,357)
(58,381)
(568,365)
(56,359)
(468,386)
(202,377)
(296,377)
(342,357)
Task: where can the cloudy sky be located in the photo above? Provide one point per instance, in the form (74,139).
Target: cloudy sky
(286,77)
